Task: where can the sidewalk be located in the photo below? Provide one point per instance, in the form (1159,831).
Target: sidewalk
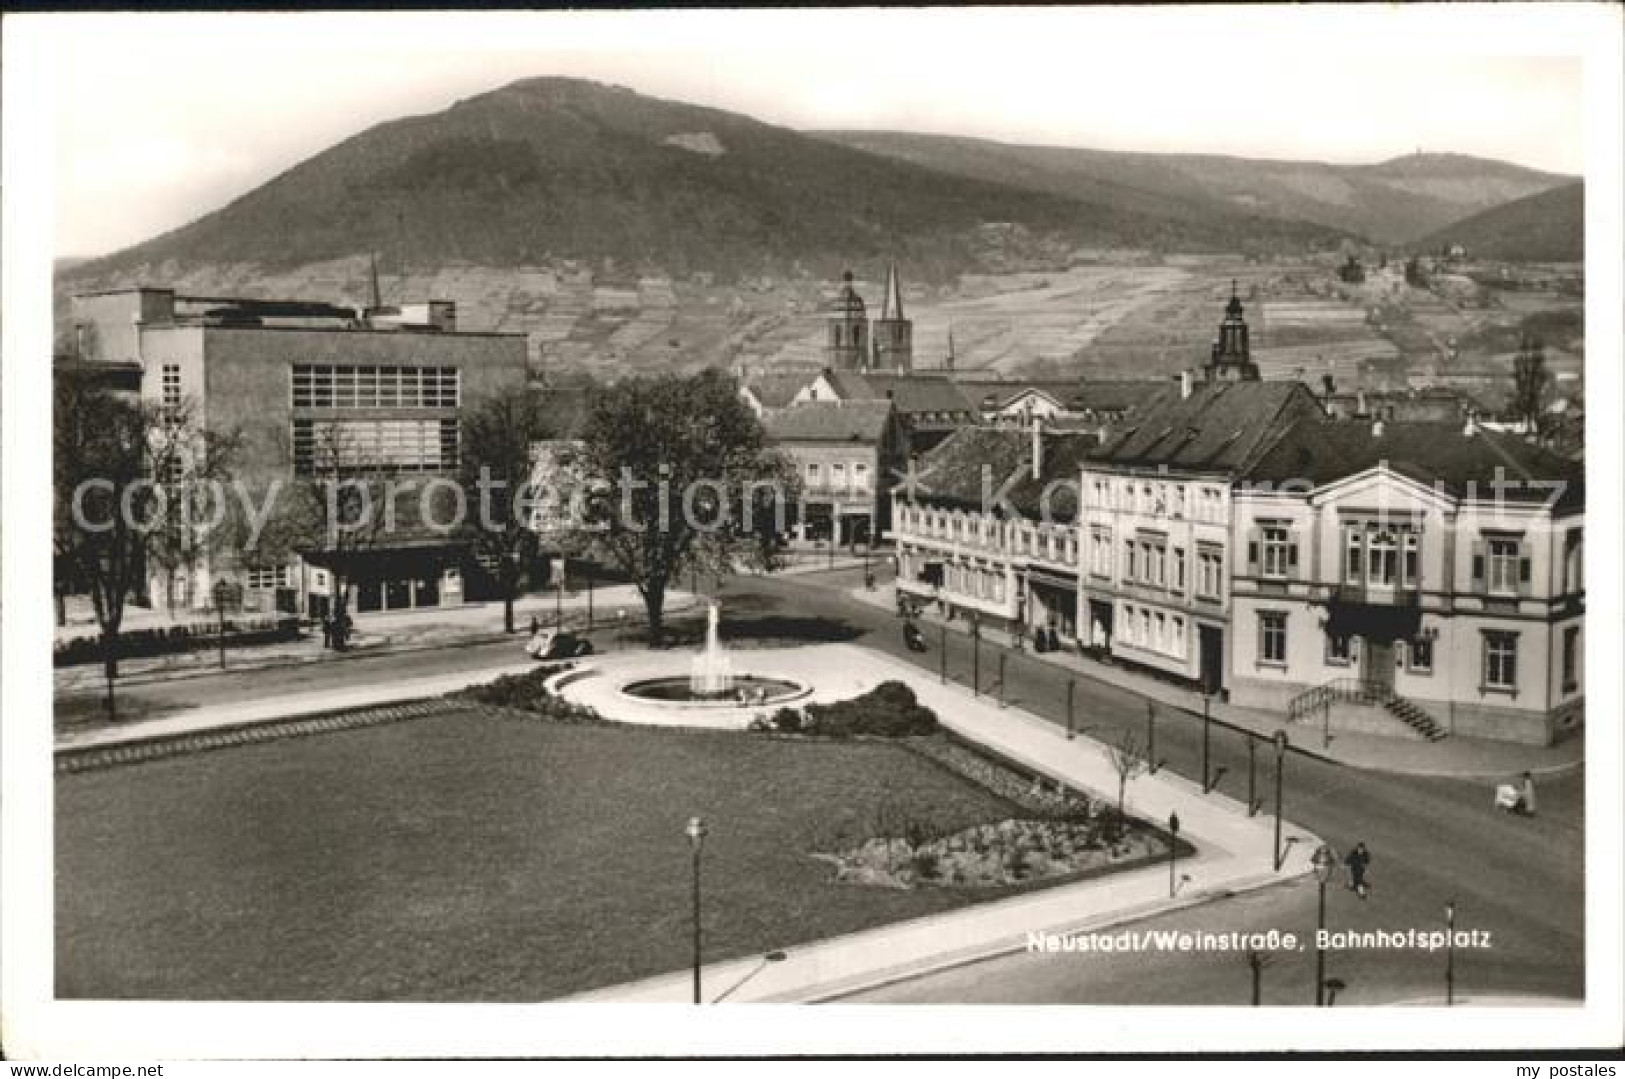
(379,633)
(1454,756)
(1234,854)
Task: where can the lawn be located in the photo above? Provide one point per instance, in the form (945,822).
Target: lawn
(469,857)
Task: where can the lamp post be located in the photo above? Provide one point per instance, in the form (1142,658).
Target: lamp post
(1450,953)
(1324,862)
(1326,725)
(1001,679)
(976,655)
(1280,768)
(222,592)
(1207,739)
(697,830)
(1173,852)
(1252,774)
(589,596)
(945,653)
(1151,738)
(1071,718)
(558,595)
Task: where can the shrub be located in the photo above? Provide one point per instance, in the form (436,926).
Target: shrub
(182,637)
(524,691)
(890,710)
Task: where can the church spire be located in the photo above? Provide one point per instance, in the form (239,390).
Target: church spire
(892,309)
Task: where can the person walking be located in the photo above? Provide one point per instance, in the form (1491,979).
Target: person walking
(535,625)
(1526,795)
(1358,860)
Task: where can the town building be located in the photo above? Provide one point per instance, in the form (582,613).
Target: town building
(301,383)
(929,407)
(1420,579)
(1155,524)
(845,453)
(985,529)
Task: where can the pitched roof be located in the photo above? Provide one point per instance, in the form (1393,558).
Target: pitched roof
(777,390)
(911,393)
(953,473)
(1118,395)
(1059,475)
(1220,427)
(1075,395)
(1434,454)
(830,421)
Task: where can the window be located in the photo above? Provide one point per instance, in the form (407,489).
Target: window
(1161,637)
(1280,553)
(1573,580)
(172,385)
(860,477)
(375,386)
(1145,626)
(1571,659)
(1381,560)
(1356,547)
(1272,637)
(815,475)
(1411,565)
(1421,655)
(405,445)
(263,579)
(1337,649)
(1131,566)
(837,476)
(1500,660)
(1179,636)
(1179,569)
(1209,573)
(1504,566)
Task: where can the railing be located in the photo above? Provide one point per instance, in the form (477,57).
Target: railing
(1349,690)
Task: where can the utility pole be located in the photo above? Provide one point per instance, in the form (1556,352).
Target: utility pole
(1071,722)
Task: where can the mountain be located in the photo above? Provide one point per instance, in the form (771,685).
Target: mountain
(1547,227)
(1391,202)
(554,169)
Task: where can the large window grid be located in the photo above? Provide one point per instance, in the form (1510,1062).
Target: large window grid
(374,386)
(374,445)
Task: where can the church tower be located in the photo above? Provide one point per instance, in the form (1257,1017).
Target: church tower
(846,348)
(1232,356)
(894,334)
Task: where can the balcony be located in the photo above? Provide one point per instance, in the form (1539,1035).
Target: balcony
(1375,595)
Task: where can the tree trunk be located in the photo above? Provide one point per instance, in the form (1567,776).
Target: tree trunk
(507,612)
(654,604)
(110,665)
(1122,786)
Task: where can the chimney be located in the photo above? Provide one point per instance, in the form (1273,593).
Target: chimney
(1377,428)
(1472,424)
(1038,448)
(1330,384)
(1184,384)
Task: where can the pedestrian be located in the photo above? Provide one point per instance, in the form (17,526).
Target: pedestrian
(1526,796)
(327,632)
(535,625)
(1358,860)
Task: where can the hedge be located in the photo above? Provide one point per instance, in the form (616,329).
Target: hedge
(181,637)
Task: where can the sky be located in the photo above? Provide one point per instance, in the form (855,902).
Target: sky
(159,119)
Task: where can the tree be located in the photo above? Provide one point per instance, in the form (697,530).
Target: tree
(682,478)
(122,473)
(1529,383)
(341,505)
(193,465)
(1128,759)
(496,471)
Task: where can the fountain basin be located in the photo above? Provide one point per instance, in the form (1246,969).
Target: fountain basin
(746,690)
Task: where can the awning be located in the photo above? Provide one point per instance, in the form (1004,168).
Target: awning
(1373,621)
(1052,579)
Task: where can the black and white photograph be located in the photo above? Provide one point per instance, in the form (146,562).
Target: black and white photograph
(873,507)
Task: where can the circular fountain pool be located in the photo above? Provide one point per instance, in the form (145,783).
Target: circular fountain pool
(746,689)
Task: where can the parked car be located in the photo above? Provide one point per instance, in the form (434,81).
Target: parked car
(557,644)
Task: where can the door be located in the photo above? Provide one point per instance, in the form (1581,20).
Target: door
(1212,655)
(1378,665)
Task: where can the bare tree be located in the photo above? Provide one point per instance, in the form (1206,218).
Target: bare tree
(496,467)
(120,467)
(1128,759)
(192,464)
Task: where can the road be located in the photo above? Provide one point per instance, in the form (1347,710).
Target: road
(1520,880)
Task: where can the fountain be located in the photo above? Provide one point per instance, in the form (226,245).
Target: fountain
(712,672)
(711,681)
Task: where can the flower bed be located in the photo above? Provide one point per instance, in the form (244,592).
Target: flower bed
(181,637)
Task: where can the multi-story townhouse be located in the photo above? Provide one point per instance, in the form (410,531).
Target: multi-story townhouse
(1155,523)
(1411,578)
(989,530)
(845,454)
(296,380)
(950,527)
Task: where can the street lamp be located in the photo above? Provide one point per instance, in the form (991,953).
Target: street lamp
(1150,738)
(1207,727)
(1252,775)
(697,830)
(589,596)
(1173,851)
(1450,953)
(1280,768)
(1071,716)
(1324,862)
(975,654)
